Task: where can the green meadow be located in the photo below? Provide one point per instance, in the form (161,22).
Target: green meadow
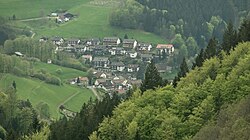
(39,92)
(67,73)
(92,20)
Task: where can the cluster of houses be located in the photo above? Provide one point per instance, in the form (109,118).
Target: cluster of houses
(116,62)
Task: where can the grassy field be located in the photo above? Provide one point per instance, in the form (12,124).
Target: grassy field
(24,9)
(92,20)
(37,91)
(67,73)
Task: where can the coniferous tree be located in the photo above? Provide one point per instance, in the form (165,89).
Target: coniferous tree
(199,59)
(182,73)
(244,31)
(229,38)
(212,49)
(152,78)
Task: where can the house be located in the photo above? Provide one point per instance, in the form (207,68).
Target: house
(80,48)
(49,61)
(73,42)
(132,54)
(57,40)
(129,43)
(87,58)
(117,51)
(144,47)
(133,68)
(106,84)
(43,39)
(111,41)
(93,41)
(117,66)
(146,57)
(84,81)
(18,54)
(100,62)
(168,48)
(68,15)
(100,50)
(53,14)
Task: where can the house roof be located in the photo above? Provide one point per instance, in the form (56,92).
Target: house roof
(101,59)
(84,78)
(128,41)
(86,56)
(132,66)
(110,39)
(74,39)
(56,38)
(144,44)
(68,15)
(117,64)
(117,48)
(146,55)
(164,46)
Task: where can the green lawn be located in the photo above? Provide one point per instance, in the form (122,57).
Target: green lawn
(67,73)
(37,91)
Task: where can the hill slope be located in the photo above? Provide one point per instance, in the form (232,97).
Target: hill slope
(180,113)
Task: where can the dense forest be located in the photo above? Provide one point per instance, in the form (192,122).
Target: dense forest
(181,19)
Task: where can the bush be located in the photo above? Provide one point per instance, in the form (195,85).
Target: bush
(40,76)
(18,72)
(68,64)
(59,71)
(53,80)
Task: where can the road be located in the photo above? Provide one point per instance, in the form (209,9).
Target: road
(95,93)
(38,18)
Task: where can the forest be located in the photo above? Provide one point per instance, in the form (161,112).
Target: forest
(209,101)
(174,19)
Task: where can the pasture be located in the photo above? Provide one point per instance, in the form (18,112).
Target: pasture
(92,20)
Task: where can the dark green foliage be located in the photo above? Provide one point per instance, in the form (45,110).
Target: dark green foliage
(152,78)
(244,31)
(17,117)
(14,84)
(182,73)
(199,59)
(198,19)
(212,49)
(87,121)
(230,38)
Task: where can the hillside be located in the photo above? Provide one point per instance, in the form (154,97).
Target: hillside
(40,93)
(170,113)
(92,19)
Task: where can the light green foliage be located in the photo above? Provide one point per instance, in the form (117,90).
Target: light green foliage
(192,46)
(178,41)
(180,113)
(42,135)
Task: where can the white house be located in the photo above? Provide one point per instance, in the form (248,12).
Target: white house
(168,48)
(133,68)
(117,66)
(132,54)
(144,47)
(129,43)
(57,40)
(111,41)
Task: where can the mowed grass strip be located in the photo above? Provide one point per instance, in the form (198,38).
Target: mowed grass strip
(37,91)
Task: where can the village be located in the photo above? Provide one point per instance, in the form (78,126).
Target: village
(117,65)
